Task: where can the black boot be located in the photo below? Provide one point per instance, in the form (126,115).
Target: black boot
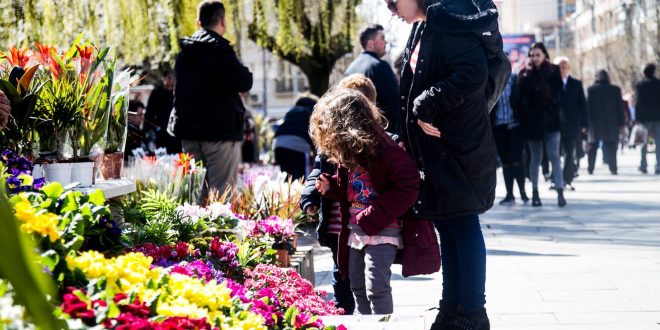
(445,316)
(561,201)
(477,320)
(508,200)
(536,200)
(523,197)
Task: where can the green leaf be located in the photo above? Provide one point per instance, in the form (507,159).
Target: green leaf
(19,267)
(53,190)
(97,197)
(50,259)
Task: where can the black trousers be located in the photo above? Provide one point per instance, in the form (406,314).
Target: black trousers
(609,149)
(510,149)
(570,146)
(292,162)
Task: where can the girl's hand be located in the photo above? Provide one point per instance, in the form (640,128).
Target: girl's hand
(322,184)
(312,209)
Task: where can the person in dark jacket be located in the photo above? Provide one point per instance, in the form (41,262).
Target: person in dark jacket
(135,137)
(380,72)
(538,101)
(454,70)
(510,144)
(574,118)
(606,118)
(208,110)
(648,112)
(292,143)
(158,113)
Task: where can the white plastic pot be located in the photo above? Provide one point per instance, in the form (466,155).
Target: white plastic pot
(83,173)
(60,172)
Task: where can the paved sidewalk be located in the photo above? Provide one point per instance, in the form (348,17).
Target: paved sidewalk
(592,265)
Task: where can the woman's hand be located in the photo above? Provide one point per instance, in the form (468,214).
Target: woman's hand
(322,184)
(429,129)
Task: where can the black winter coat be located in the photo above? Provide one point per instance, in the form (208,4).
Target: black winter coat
(387,87)
(605,111)
(647,108)
(296,120)
(537,99)
(461,71)
(574,114)
(311,197)
(209,78)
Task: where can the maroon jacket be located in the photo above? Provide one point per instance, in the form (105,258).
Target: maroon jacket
(396,180)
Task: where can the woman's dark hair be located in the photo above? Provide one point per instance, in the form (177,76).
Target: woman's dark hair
(602,76)
(540,46)
(649,70)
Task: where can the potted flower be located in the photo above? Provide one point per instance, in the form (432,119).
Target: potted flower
(22,89)
(115,139)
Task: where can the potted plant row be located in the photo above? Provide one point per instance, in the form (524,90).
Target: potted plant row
(67,108)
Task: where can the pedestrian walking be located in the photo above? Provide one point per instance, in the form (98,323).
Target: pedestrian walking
(370,64)
(606,118)
(376,182)
(208,110)
(574,119)
(538,100)
(454,70)
(158,113)
(506,131)
(648,112)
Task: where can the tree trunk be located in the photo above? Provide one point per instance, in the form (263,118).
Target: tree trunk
(319,79)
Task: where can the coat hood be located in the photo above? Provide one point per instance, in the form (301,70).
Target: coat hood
(201,39)
(461,15)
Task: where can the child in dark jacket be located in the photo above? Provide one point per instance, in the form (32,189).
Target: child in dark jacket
(376,183)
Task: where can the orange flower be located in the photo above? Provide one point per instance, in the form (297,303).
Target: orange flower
(44,53)
(184,161)
(85,56)
(17,57)
(54,65)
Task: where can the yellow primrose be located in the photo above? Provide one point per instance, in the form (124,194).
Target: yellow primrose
(42,223)
(180,306)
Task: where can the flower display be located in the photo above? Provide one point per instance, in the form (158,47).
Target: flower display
(290,288)
(35,221)
(18,172)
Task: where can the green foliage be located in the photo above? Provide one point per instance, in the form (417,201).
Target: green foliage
(310,34)
(20,268)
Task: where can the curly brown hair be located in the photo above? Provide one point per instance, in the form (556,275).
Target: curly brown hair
(346,127)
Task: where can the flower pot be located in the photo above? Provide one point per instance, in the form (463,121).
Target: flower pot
(38,171)
(283,258)
(59,172)
(294,241)
(111,165)
(83,173)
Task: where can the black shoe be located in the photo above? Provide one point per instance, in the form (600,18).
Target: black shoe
(614,172)
(536,200)
(561,201)
(591,172)
(508,200)
(446,315)
(547,177)
(471,320)
(553,187)
(643,170)
(524,198)
(569,187)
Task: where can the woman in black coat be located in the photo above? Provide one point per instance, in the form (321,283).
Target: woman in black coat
(453,72)
(538,103)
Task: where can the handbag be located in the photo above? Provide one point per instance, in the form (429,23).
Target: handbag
(639,135)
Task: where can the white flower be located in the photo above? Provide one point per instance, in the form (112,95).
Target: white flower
(218,210)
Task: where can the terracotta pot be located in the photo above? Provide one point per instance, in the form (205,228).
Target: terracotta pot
(111,165)
(283,258)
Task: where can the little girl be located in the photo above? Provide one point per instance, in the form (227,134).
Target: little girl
(376,182)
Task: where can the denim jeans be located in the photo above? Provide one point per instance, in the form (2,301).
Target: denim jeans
(536,150)
(342,287)
(654,129)
(463,262)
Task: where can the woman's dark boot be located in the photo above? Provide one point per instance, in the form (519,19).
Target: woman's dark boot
(561,201)
(536,200)
(445,316)
(477,320)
